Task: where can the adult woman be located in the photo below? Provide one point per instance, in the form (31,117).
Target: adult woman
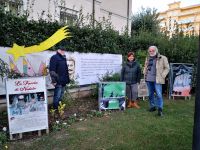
(131,74)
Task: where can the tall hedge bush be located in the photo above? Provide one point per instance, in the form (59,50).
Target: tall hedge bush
(17,29)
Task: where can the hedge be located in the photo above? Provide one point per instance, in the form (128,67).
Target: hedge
(17,29)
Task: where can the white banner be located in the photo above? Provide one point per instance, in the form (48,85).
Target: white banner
(84,68)
(27,104)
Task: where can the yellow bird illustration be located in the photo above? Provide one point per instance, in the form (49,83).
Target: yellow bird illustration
(19,51)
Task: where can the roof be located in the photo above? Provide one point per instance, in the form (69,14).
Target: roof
(191,6)
(187,7)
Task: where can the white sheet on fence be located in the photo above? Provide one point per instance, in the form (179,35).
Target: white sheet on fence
(87,68)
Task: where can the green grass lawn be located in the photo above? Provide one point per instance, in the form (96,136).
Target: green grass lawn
(133,129)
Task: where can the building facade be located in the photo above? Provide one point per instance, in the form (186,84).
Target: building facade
(117,12)
(185,19)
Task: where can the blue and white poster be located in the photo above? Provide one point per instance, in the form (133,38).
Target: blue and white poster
(180,79)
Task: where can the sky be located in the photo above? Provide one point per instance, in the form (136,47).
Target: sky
(160,5)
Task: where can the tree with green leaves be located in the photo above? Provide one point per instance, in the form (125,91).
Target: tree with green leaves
(145,20)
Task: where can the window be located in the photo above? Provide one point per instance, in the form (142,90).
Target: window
(13,6)
(68,15)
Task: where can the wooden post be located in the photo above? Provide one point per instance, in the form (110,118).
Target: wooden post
(20,135)
(11,137)
(39,133)
(47,131)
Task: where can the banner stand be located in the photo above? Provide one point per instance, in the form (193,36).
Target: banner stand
(180,80)
(112,95)
(20,135)
(186,97)
(27,106)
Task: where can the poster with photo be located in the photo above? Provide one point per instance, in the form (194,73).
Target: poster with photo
(27,104)
(180,79)
(112,95)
